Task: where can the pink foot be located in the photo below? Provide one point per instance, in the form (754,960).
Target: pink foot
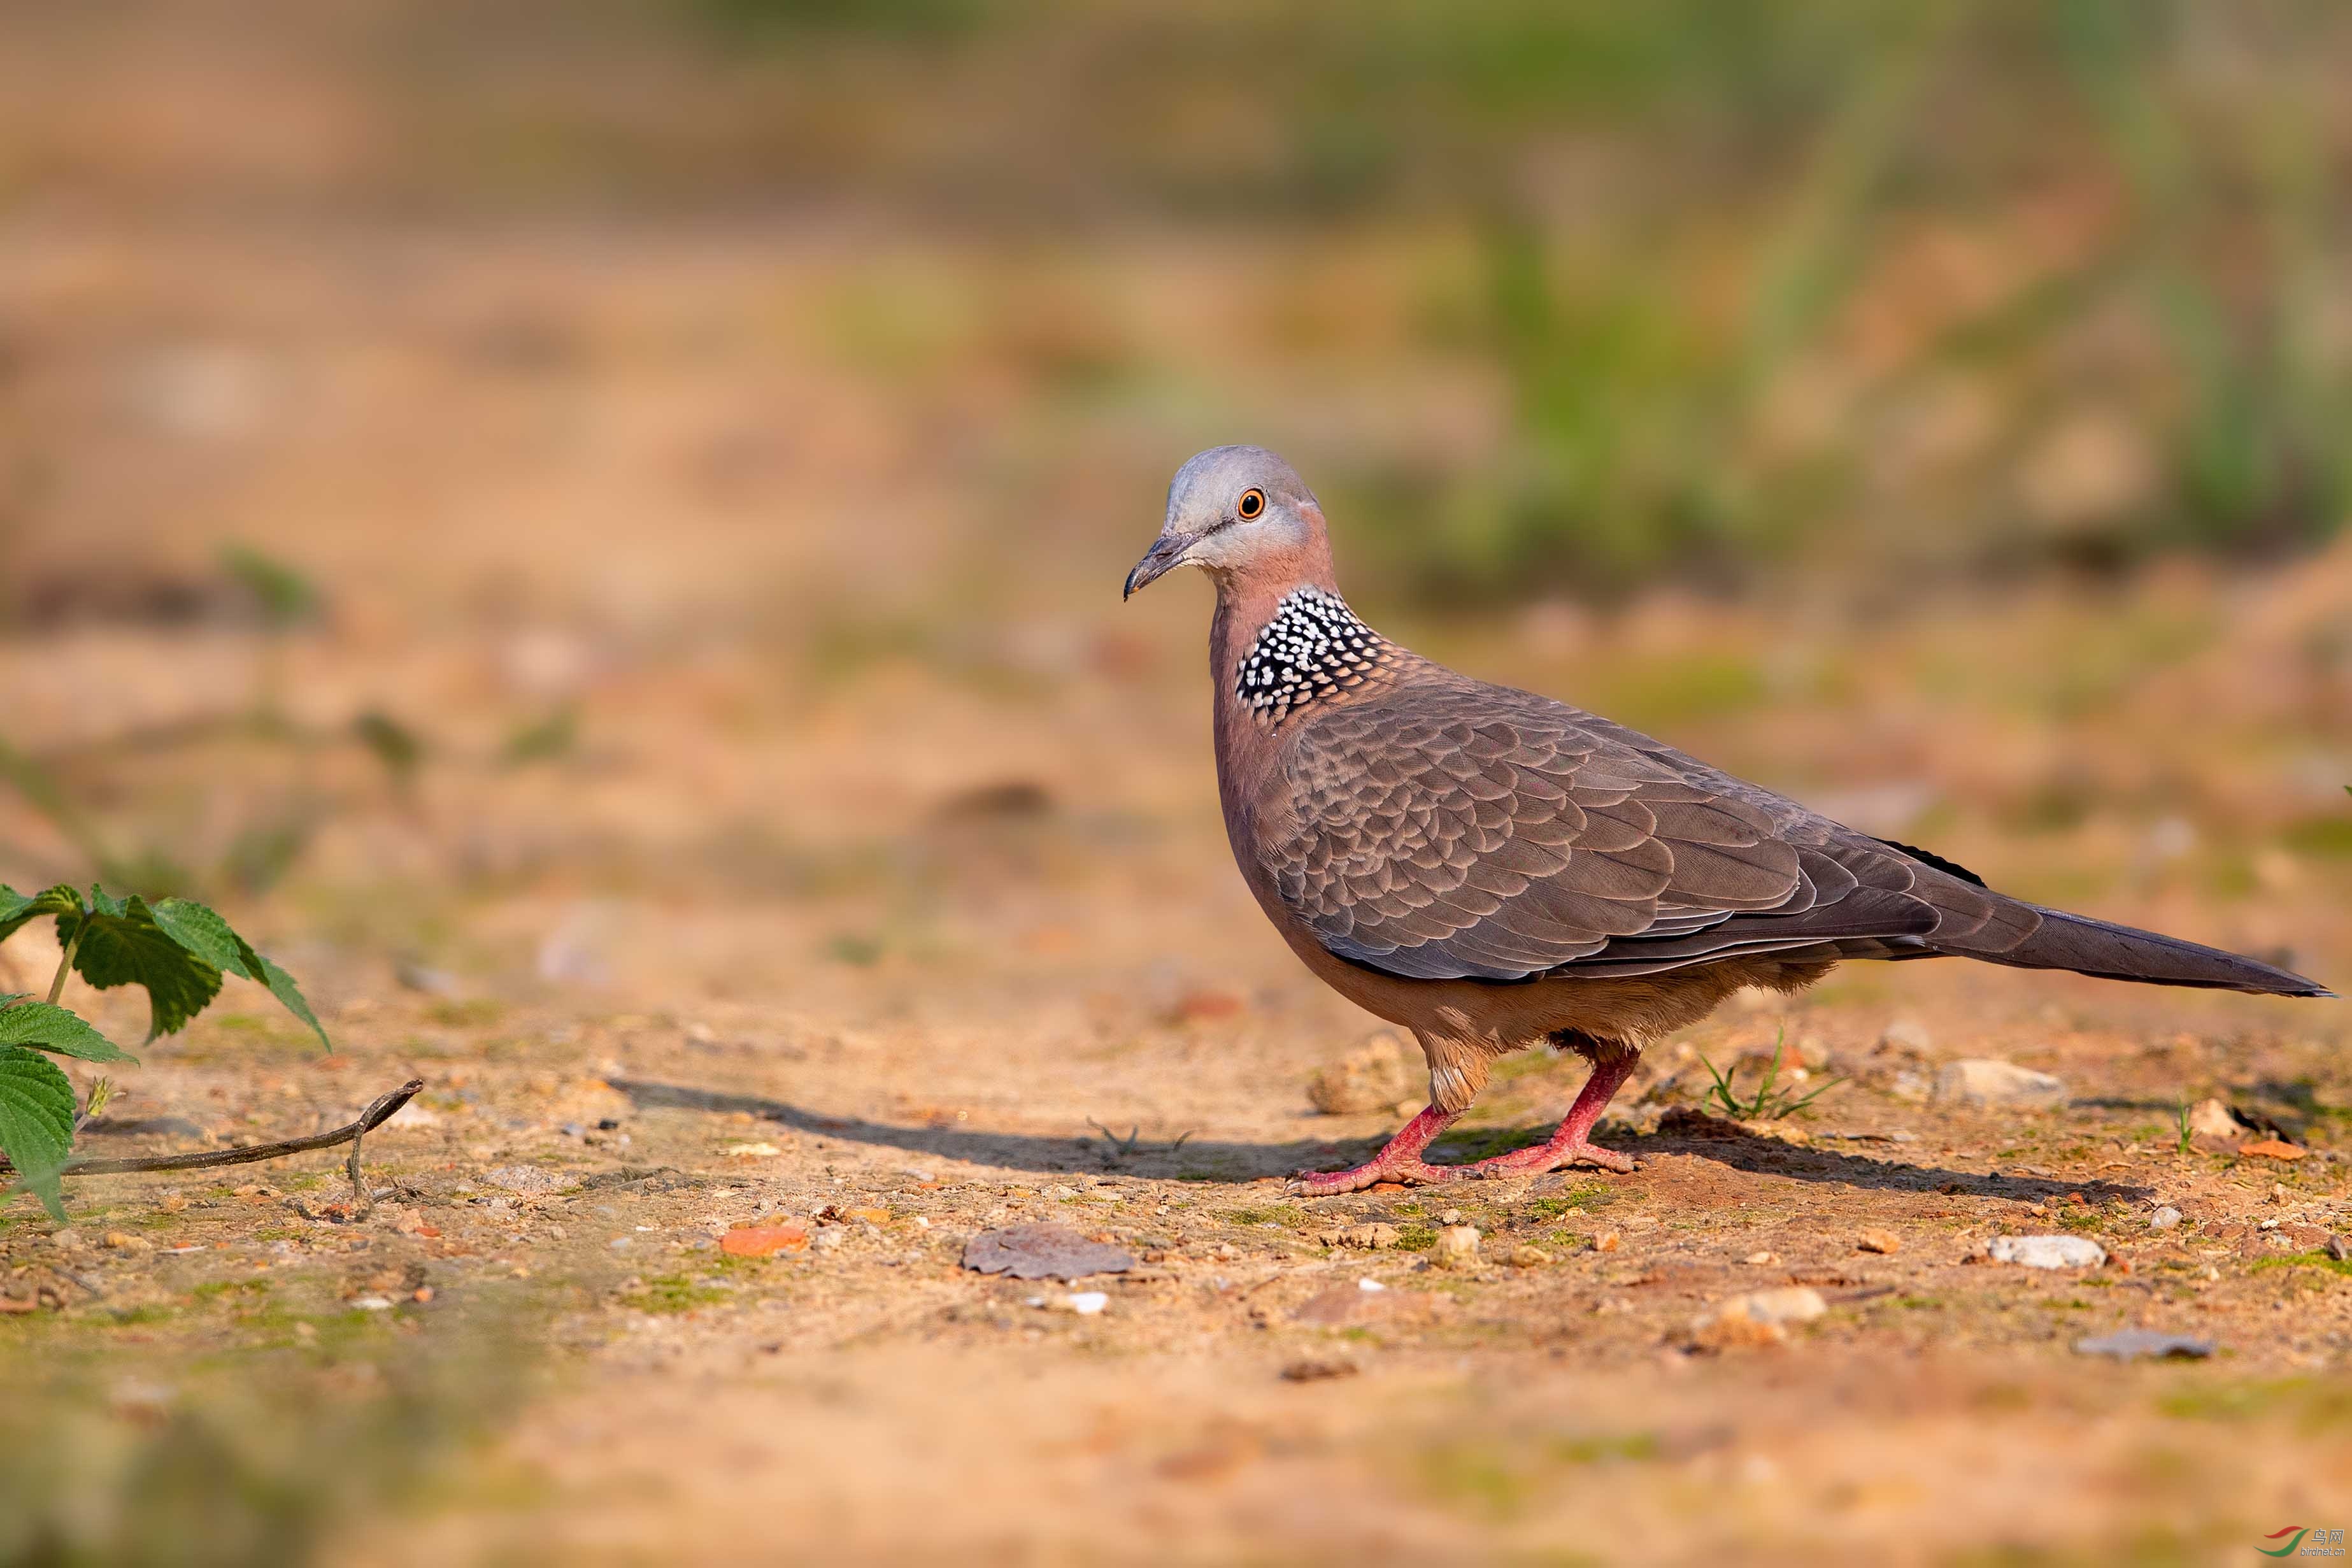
(1570,1145)
(1413,1172)
(1544,1157)
(1400,1161)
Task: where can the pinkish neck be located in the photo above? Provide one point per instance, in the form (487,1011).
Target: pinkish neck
(1244,605)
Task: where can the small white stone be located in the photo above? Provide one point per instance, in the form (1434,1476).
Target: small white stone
(1369,1284)
(1983,1081)
(1785,1304)
(2048,1251)
(2164,1218)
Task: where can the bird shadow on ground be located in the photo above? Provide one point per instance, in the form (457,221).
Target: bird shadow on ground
(1192,1159)
(1770,1157)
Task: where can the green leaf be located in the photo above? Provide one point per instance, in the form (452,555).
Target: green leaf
(120,944)
(395,745)
(16,908)
(37,1121)
(553,736)
(285,595)
(47,1027)
(289,995)
(201,929)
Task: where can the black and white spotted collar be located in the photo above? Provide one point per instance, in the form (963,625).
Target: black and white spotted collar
(1313,646)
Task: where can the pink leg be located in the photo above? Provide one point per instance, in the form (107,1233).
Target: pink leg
(1569,1146)
(1400,1161)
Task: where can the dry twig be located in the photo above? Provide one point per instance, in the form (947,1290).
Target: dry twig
(379,1112)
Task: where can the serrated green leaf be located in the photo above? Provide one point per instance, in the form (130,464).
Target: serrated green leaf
(47,1027)
(201,929)
(16,908)
(289,995)
(120,944)
(37,1121)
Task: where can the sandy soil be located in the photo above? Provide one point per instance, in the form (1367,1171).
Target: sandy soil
(882,894)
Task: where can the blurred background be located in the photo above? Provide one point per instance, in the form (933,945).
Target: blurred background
(845,335)
(626,498)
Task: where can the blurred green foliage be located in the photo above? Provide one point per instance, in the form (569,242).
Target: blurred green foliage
(1966,286)
(1696,219)
(265,1454)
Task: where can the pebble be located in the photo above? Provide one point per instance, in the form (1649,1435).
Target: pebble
(1317,1369)
(1907,1033)
(1880,1241)
(1524,1256)
(2165,1218)
(763,1240)
(2130,1344)
(2048,1251)
(413,975)
(1457,1244)
(123,1241)
(1757,1318)
(2211,1118)
(1085,1303)
(528,1180)
(1370,1078)
(1366,1237)
(372,1303)
(1786,1304)
(1986,1080)
(1369,1284)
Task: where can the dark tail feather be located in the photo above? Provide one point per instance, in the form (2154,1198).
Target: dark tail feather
(2122,952)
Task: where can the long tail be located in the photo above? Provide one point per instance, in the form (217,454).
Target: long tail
(2078,943)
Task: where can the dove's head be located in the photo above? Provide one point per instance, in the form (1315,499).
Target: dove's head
(1240,514)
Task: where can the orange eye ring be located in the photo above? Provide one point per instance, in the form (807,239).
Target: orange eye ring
(1250,505)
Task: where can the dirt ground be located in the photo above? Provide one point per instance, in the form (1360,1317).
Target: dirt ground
(878,890)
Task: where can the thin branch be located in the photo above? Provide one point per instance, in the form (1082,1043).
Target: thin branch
(380,1111)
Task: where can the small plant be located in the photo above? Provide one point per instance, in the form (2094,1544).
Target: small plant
(176,949)
(1768,1103)
(1127,1148)
(2181,1129)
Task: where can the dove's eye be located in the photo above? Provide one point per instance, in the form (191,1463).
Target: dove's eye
(1251,503)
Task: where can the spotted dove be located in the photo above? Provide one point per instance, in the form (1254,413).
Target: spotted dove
(1493,869)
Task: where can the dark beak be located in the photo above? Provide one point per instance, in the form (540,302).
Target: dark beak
(1165,553)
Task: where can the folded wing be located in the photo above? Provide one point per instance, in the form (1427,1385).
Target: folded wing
(1459,831)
